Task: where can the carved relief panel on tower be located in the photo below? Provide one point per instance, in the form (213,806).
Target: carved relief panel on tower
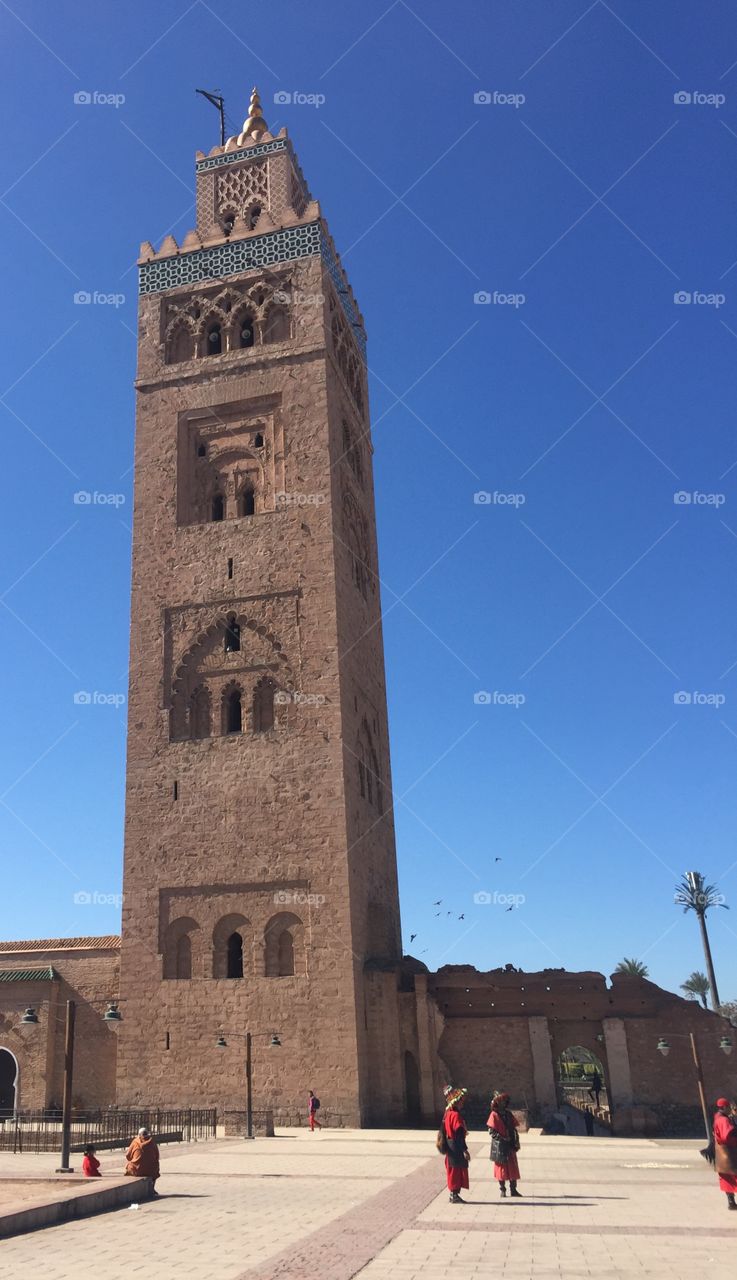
(235,318)
(230,461)
(227,670)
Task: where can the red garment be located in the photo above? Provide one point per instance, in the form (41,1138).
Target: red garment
(91,1167)
(726,1134)
(510,1170)
(456,1164)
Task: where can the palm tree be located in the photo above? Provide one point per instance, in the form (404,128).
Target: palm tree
(693,894)
(635,968)
(697,985)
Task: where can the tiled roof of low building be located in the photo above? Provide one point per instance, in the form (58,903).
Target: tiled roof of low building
(107,943)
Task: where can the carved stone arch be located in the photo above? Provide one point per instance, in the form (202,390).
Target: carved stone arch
(263,713)
(211,319)
(191,662)
(244,320)
(182,948)
(276,324)
(232,709)
(224,954)
(226,217)
(227,301)
(284,946)
(179,340)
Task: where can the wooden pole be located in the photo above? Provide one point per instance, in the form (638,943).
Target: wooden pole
(700,1079)
(66,1114)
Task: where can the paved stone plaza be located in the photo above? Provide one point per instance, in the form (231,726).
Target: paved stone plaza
(337,1204)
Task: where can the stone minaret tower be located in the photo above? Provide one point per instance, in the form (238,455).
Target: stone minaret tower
(260,875)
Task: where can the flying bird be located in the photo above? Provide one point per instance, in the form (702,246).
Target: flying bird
(462,917)
(437,904)
(412,937)
(511,908)
(437,913)
(497,859)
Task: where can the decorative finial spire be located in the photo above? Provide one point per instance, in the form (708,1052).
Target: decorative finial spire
(255,125)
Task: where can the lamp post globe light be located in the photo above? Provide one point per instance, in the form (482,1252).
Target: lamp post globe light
(112,1015)
(274,1043)
(726,1046)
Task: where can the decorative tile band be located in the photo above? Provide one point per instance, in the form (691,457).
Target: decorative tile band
(230,258)
(243,255)
(262,149)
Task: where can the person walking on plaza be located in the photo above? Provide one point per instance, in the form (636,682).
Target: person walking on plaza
(596,1086)
(456,1151)
(90,1164)
(142,1159)
(502,1126)
(313,1106)
(725,1150)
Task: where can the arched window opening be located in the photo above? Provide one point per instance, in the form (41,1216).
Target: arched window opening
(277,325)
(233,712)
(258,441)
(228,223)
(183,959)
(284,950)
(181,345)
(246,330)
(231,947)
(253,216)
(201,451)
(181,939)
(199,714)
(214,340)
(218,507)
(263,705)
(286,954)
(232,635)
(247,501)
(235,956)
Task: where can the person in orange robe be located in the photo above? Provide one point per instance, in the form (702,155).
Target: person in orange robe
(725,1150)
(502,1126)
(456,1154)
(142,1159)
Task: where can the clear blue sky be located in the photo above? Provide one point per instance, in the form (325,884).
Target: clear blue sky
(596,397)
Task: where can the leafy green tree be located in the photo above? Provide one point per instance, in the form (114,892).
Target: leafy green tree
(697,985)
(694,894)
(729,1010)
(635,968)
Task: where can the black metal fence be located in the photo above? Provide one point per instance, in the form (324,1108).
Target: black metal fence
(34,1131)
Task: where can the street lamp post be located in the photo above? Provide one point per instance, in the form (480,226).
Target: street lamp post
(30,1018)
(725,1044)
(275,1043)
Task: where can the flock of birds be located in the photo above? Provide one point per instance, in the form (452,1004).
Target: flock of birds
(462,916)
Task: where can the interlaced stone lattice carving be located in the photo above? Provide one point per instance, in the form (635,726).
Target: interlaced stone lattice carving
(239,189)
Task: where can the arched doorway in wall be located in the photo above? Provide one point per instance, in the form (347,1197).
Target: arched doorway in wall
(576,1072)
(8,1082)
(412,1088)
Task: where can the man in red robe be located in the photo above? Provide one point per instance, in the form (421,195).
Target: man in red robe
(725,1150)
(456,1151)
(502,1126)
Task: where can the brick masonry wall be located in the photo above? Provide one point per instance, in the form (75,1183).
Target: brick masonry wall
(91,979)
(258,817)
